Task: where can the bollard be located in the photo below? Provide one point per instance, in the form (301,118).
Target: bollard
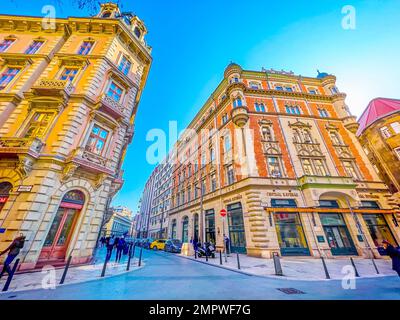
(140,257)
(195,254)
(325,268)
(238,262)
(376,267)
(10,276)
(133,253)
(206,256)
(354,266)
(129,258)
(220,257)
(277,264)
(65,270)
(103,272)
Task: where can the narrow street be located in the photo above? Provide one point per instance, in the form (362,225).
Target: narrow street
(167,277)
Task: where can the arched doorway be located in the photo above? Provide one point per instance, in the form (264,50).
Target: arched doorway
(196,227)
(59,235)
(173,229)
(5,188)
(185,229)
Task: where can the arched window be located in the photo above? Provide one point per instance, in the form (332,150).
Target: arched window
(335,138)
(185,229)
(173,229)
(137,32)
(106,14)
(237,102)
(266,133)
(5,188)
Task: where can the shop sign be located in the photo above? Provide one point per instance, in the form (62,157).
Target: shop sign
(321,239)
(24,189)
(368,196)
(2,230)
(282,194)
(3,199)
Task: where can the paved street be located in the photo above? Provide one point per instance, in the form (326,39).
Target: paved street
(167,276)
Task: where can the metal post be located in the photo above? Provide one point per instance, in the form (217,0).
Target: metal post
(376,267)
(10,276)
(220,257)
(195,254)
(140,257)
(65,270)
(223,232)
(206,255)
(237,257)
(277,264)
(325,268)
(103,272)
(129,258)
(354,266)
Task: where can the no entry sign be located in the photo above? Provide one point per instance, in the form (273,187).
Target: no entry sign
(223,212)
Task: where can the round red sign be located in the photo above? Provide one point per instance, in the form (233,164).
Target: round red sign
(222,212)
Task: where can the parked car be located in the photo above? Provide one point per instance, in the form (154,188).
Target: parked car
(147,242)
(173,245)
(158,244)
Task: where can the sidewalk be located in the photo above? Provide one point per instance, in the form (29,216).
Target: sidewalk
(42,279)
(300,268)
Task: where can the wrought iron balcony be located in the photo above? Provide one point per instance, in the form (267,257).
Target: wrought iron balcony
(91,161)
(111,107)
(31,146)
(306,182)
(53,87)
(240,116)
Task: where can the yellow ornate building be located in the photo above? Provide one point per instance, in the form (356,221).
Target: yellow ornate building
(68,100)
(279,152)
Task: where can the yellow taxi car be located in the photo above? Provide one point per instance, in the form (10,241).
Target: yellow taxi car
(158,244)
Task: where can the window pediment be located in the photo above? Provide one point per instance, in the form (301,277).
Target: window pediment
(331,127)
(75,61)
(265,122)
(47,103)
(14,60)
(299,124)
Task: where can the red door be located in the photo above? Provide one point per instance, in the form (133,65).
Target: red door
(56,243)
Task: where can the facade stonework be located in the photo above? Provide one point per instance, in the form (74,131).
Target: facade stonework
(279,152)
(68,100)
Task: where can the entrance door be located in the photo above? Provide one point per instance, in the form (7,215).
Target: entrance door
(337,234)
(56,243)
(291,238)
(236,228)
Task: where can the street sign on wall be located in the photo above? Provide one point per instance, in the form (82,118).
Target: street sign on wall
(222,212)
(24,189)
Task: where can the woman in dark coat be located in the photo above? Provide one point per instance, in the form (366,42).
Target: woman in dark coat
(393,253)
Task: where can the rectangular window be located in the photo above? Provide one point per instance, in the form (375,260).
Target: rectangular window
(8,76)
(5,44)
(213,183)
(115,91)
(34,47)
(97,140)
(313,91)
(38,125)
(386,132)
(323,113)
(203,186)
(307,167)
(349,169)
(224,118)
(227,143)
(379,229)
(396,127)
(319,167)
(230,174)
(397,152)
(86,47)
(69,74)
(196,191)
(124,65)
(274,167)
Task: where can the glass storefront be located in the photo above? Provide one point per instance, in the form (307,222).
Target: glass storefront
(337,234)
(289,229)
(196,227)
(379,229)
(185,230)
(210,225)
(236,228)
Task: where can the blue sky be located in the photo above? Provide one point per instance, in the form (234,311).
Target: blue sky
(193,41)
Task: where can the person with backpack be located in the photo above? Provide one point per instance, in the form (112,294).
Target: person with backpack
(13,250)
(110,247)
(120,244)
(393,253)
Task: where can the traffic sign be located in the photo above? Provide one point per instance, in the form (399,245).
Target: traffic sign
(223,212)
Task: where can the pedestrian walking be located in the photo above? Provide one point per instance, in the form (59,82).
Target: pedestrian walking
(120,244)
(110,247)
(227,244)
(13,250)
(393,253)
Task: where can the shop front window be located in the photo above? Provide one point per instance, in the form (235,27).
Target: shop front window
(210,225)
(5,188)
(379,229)
(185,230)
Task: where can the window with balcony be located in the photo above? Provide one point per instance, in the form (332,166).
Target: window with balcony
(274,168)
(350,169)
(69,74)
(124,65)
(5,44)
(115,91)
(97,140)
(85,48)
(237,102)
(34,47)
(230,174)
(38,125)
(8,75)
(259,107)
(385,132)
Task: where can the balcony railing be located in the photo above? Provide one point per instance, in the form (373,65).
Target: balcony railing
(53,86)
(91,161)
(31,146)
(112,107)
